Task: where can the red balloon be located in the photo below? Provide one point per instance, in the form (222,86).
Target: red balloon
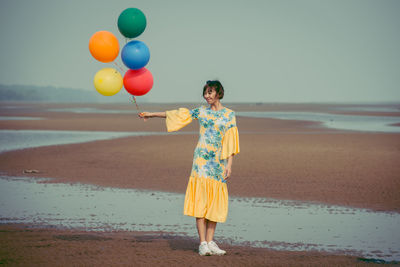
(138,82)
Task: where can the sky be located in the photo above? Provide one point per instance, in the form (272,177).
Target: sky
(261,50)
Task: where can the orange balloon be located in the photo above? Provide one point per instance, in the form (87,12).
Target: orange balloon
(104,46)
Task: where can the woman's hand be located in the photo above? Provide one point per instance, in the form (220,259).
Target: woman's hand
(145,115)
(227,172)
(228,168)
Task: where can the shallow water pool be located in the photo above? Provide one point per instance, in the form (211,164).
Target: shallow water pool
(334,121)
(19,118)
(21,139)
(259,222)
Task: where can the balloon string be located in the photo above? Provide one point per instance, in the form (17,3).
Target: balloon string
(119,67)
(134,101)
(133,97)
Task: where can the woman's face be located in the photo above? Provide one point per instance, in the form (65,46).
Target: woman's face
(210,95)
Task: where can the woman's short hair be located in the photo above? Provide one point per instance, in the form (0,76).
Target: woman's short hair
(217,86)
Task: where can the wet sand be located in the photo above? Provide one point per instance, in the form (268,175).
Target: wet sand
(280,159)
(25,246)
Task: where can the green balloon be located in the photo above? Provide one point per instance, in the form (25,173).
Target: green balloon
(131,22)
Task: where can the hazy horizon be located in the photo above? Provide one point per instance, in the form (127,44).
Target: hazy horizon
(262,51)
(69,95)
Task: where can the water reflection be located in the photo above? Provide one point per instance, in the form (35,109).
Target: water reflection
(258,222)
(335,121)
(16,118)
(21,139)
(93,110)
(395,108)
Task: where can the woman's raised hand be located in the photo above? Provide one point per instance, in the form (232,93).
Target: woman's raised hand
(144,115)
(147,115)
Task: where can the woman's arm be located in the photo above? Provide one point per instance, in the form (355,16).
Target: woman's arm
(228,168)
(147,115)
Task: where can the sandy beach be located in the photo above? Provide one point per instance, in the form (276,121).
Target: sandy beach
(25,246)
(280,159)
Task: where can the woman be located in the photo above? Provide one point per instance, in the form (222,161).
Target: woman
(207,194)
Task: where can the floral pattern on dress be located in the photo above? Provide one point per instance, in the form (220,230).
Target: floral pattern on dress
(213,126)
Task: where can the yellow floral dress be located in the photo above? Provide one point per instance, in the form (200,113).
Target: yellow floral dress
(207,192)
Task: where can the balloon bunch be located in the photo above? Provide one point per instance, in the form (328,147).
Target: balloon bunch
(135,55)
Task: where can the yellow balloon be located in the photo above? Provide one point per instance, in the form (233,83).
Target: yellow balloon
(108,81)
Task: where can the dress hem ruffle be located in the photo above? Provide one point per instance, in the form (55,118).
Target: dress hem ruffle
(206,198)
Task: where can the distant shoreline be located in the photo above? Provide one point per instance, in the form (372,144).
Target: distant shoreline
(53,94)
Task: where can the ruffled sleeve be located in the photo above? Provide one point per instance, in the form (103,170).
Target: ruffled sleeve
(230,141)
(179,118)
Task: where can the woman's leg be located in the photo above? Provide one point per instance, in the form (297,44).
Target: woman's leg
(205,229)
(210,230)
(201,228)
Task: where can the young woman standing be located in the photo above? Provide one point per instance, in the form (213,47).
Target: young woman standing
(206,196)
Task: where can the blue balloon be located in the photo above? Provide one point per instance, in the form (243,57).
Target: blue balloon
(135,55)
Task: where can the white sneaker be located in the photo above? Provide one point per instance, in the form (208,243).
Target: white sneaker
(204,250)
(215,250)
